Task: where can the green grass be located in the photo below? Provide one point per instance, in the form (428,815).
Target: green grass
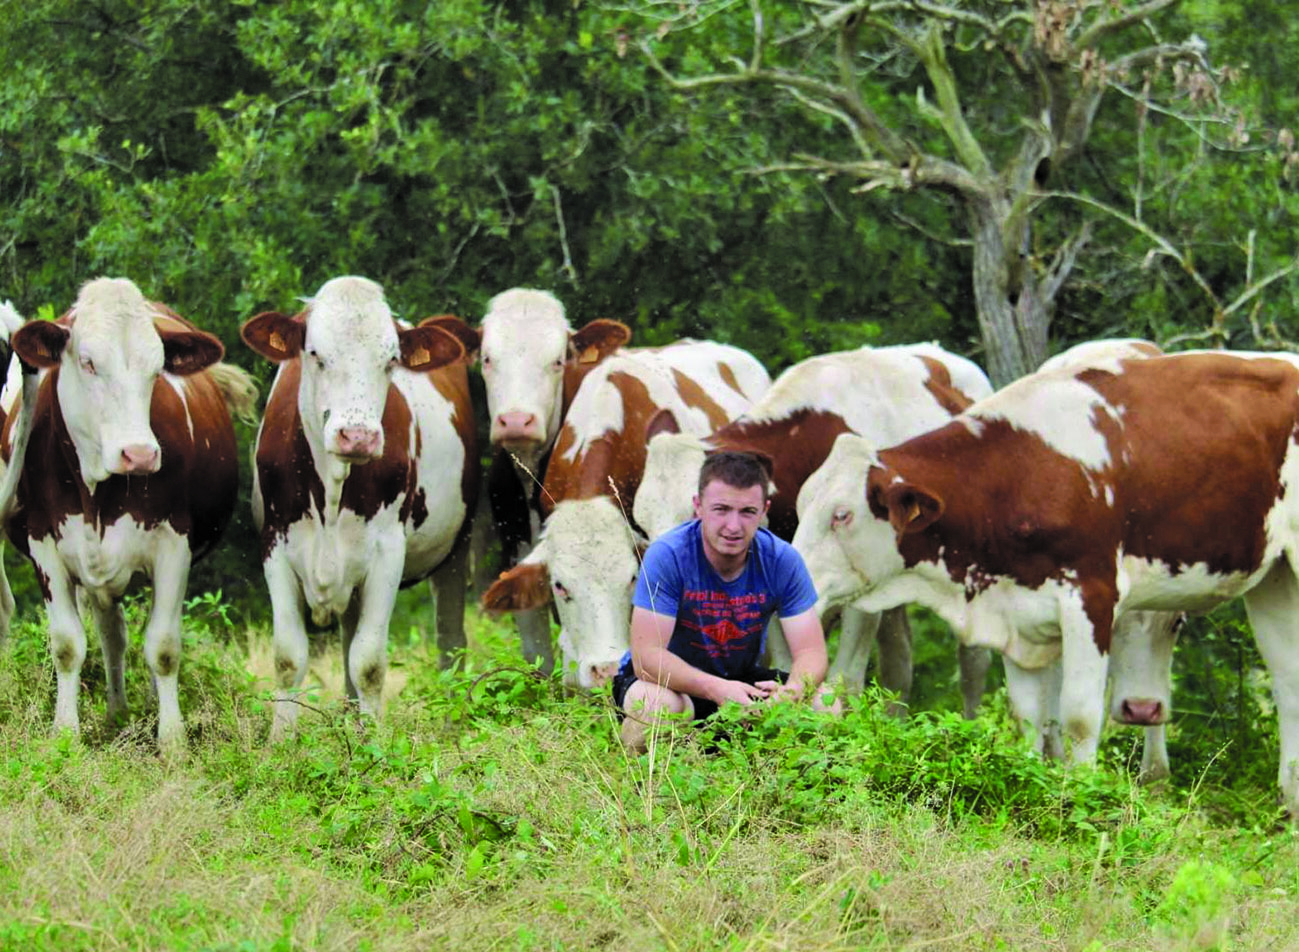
(490,810)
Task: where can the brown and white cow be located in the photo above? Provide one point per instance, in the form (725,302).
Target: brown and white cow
(587,558)
(1042,514)
(130,468)
(887,393)
(366,476)
(533,363)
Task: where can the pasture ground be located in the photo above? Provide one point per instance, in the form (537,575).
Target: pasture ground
(490,810)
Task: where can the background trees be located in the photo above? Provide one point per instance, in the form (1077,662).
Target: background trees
(1005,176)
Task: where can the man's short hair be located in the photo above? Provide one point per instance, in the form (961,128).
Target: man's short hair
(738,470)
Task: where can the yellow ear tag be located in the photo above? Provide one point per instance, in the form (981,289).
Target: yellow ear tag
(590,355)
(277,342)
(913,512)
(419,358)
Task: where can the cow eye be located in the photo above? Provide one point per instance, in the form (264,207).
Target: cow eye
(556,365)
(562,592)
(841,517)
(487,361)
(315,355)
(87,365)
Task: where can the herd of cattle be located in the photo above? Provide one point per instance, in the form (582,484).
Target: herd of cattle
(1066,520)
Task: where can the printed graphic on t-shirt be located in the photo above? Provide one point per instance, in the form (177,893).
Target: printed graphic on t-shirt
(722,625)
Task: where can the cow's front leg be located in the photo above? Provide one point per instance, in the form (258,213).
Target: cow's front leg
(1083,675)
(367,658)
(110,620)
(289,644)
(162,635)
(447,585)
(67,641)
(1035,701)
(857,631)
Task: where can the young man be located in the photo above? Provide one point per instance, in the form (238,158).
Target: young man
(703,599)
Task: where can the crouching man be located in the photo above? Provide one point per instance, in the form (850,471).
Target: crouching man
(703,599)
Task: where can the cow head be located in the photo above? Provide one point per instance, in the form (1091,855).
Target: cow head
(109,354)
(1141,662)
(350,346)
(526,347)
(670,480)
(850,546)
(586,562)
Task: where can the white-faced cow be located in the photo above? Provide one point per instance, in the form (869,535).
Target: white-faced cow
(129,468)
(1043,513)
(587,559)
(888,393)
(533,363)
(366,475)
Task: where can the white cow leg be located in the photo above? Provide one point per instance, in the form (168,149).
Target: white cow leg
(1154,755)
(534,638)
(1273,607)
(289,644)
(895,670)
(857,632)
(1082,688)
(974,664)
(447,586)
(162,636)
(67,645)
(110,620)
(367,657)
(347,633)
(1035,701)
(777,653)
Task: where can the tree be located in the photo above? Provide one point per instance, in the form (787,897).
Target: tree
(987,107)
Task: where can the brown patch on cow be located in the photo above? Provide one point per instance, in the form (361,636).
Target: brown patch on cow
(697,398)
(797,445)
(1195,468)
(452,382)
(728,378)
(940,387)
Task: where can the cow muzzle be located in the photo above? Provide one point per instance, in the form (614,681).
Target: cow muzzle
(358,444)
(516,427)
(1143,711)
(139,459)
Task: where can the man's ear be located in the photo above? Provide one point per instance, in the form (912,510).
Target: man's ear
(525,586)
(274,335)
(911,509)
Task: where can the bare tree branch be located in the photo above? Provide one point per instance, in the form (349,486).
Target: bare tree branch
(1107,27)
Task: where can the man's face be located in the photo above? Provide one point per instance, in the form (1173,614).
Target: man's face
(729,517)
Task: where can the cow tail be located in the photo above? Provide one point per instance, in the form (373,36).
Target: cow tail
(238,389)
(21,433)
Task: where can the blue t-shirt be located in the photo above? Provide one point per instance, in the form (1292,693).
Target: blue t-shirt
(721,626)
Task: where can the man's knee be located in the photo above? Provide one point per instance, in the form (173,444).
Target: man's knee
(642,706)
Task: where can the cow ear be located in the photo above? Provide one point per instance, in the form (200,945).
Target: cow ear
(525,586)
(468,336)
(188,352)
(598,339)
(428,348)
(665,421)
(40,343)
(911,509)
(274,335)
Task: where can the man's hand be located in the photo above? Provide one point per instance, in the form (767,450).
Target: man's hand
(740,692)
(778,691)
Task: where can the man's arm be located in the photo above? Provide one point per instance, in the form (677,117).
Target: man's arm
(807,648)
(653,662)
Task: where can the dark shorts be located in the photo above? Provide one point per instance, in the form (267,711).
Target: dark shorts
(704,708)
